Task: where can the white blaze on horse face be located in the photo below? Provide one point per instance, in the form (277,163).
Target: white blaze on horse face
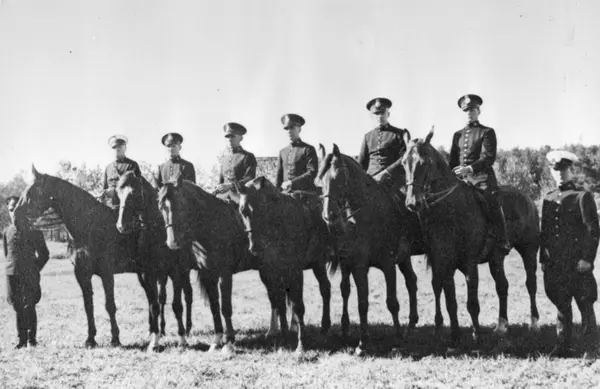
(167,212)
(123,194)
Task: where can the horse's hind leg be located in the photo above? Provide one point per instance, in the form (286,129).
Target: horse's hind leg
(345,289)
(85,283)
(410,280)
(496,265)
(108,282)
(227,311)
(320,273)
(391,301)
(529,255)
(189,299)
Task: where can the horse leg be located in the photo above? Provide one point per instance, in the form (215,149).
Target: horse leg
(85,283)
(345,289)
(473,298)
(210,285)
(274,325)
(142,282)
(410,280)
(391,300)
(451,307)
(496,265)
(162,301)
(177,280)
(360,275)
(297,301)
(189,299)
(437,282)
(227,311)
(529,256)
(108,283)
(320,273)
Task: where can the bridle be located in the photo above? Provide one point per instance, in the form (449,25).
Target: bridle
(343,203)
(425,187)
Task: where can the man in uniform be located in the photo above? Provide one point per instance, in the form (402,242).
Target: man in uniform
(175,165)
(23,274)
(298,163)
(115,169)
(569,242)
(472,158)
(237,164)
(382,148)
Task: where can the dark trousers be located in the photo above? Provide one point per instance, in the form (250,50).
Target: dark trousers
(23,293)
(495,214)
(562,286)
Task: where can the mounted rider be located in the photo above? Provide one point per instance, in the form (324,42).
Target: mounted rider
(237,164)
(472,157)
(115,169)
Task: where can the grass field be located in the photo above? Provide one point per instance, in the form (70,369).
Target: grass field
(60,361)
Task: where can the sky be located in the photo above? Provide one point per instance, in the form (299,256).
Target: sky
(73,73)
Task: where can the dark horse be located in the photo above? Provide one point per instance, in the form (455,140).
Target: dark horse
(454,226)
(286,232)
(371,232)
(213,230)
(99,248)
(137,196)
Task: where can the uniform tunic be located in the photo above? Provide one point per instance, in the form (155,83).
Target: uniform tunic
(237,165)
(475,146)
(169,171)
(23,266)
(115,169)
(570,232)
(383,148)
(299,164)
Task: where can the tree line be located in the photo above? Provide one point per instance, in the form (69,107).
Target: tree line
(523,168)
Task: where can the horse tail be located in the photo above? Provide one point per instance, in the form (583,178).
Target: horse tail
(204,283)
(334,264)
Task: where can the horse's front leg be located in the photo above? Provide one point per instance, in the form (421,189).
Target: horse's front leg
(108,282)
(496,266)
(227,311)
(345,289)
(360,275)
(84,279)
(320,272)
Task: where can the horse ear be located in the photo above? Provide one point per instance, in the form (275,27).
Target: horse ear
(262,182)
(336,151)
(322,152)
(36,174)
(406,137)
(241,189)
(430,135)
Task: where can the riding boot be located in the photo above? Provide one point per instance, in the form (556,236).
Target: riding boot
(589,330)
(21,328)
(496,216)
(564,329)
(32,325)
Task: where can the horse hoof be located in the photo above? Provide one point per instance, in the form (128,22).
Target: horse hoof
(502,327)
(535,325)
(299,350)
(271,334)
(115,343)
(213,347)
(228,349)
(182,341)
(359,352)
(90,343)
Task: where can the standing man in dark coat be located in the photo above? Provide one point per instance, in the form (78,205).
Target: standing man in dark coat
(23,274)
(115,169)
(569,243)
(298,163)
(237,164)
(175,165)
(472,157)
(382,148)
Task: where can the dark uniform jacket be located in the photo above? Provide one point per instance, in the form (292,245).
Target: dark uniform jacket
(20,248)
(570,230)
(237,165)
(475,146)
(115,169)
(169,171)
(299,164)
(383,148)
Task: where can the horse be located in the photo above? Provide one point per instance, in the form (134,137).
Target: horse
(99,249)
(136,196)
(454,226)
(286,233)
(371,232)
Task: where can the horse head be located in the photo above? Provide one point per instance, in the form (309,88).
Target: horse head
(35,200)
(335,180)
(130,191)
(424,168)
(174,203)
(253,197)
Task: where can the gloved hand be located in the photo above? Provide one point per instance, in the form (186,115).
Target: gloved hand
(583,266)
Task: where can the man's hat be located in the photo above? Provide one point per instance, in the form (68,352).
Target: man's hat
(10,198)
(234,129)
(467,102)
(117,140)
(379,104)
(292,120)
(561,159)
(171,137)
